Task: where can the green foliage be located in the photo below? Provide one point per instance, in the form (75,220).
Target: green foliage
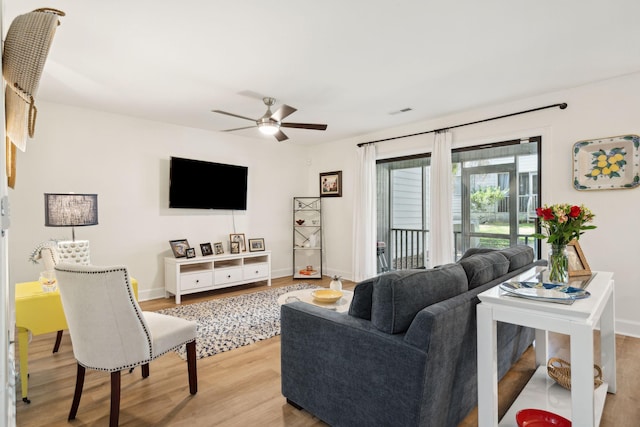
(485,198)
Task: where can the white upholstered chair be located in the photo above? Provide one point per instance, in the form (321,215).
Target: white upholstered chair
(109,331)
(52,253)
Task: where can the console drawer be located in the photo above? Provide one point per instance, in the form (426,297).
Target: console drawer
(227,275)
(196,280)
(256,271)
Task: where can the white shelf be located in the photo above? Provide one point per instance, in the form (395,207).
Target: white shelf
(189,275)
(541,392)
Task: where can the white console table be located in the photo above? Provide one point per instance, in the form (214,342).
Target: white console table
(582,404)
(189,275)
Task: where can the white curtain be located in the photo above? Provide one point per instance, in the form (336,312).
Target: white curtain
(441,246)
(365,211)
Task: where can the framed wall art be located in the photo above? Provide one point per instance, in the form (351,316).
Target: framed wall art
(578,265)
(256,245)
(239,238)
(179,247)
(331,184)
(206,249)
(607,164)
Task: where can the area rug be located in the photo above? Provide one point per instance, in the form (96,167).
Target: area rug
(228,323)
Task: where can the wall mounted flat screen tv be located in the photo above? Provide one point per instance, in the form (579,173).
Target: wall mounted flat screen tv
(196,184)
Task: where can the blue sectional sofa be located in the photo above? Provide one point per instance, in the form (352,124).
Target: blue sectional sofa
(405,354)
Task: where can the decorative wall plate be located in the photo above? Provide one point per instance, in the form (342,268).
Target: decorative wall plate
(607,164)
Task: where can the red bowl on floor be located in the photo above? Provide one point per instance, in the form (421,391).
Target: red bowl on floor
(540,418)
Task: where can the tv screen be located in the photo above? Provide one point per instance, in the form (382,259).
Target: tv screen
(197,184)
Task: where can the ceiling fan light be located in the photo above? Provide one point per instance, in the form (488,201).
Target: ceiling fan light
(268,128)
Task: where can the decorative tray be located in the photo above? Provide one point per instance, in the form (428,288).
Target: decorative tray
(608,163)
(551,292)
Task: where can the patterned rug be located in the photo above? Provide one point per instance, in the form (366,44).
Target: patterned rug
(228,323)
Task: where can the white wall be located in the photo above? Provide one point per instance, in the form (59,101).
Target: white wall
(126,162)
(603,109)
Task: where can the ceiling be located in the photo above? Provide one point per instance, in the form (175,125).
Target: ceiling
(349,64)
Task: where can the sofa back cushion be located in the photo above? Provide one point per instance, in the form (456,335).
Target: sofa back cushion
(398,296)
(482,268)
(518,256)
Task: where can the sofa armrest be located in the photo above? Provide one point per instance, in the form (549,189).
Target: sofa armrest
(330,358)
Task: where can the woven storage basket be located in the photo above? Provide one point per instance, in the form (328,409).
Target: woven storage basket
(560,371)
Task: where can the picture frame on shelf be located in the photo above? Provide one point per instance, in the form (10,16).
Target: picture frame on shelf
(234,247)
(206,249)
(239,237)
(218,249)
(256,245)
(578,265)
(191,252)
(179,247)
(331,184)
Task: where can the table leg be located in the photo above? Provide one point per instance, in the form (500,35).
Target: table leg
(582,397)
(542,352)
(608,344)
(23,346)
(487,368)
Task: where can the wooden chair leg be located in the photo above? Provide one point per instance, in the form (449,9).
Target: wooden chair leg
(78,392)
(191,363)
(114,415)
(56,346)
(145,370)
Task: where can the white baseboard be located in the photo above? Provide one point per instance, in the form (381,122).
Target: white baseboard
(628,328)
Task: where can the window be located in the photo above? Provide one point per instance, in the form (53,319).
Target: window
(496,191)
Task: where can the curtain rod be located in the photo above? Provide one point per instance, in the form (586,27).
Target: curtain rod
(562,106)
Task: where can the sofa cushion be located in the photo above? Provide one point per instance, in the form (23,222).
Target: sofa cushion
(361,302)
(484,267)
(518,256)
(398,296)
(472,251)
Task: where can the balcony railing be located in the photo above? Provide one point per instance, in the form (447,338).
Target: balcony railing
(408,248)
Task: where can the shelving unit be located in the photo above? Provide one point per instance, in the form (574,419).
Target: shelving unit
(307,238)
(189,275)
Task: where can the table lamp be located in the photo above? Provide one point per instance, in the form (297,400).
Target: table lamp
(71,210)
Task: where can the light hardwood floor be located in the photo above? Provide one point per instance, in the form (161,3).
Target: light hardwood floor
(241,387)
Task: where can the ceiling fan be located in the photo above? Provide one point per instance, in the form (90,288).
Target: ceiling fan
(270,123)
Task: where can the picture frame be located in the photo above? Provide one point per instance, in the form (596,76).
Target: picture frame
(578,265)
(179,247)
(256,245)
(234,247)
(206,249)
(191,252)
(239,237)
(218,249)
(331,184)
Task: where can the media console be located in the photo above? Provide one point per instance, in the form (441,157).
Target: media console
(190,275)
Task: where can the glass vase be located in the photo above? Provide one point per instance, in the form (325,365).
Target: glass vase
(558,264)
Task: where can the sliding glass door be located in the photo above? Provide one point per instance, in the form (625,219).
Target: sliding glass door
(496,191)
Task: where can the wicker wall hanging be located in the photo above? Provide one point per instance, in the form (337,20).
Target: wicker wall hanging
(25,51)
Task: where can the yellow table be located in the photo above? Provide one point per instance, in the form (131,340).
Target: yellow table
(39,312)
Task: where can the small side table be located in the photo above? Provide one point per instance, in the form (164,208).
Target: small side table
(304,295)
(582,404)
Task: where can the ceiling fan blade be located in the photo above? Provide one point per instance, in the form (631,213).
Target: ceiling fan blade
(304,126)
(280,136)
(283,112)
(233,115)
(231,130)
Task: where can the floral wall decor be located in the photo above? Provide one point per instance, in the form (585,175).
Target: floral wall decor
(607,164)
